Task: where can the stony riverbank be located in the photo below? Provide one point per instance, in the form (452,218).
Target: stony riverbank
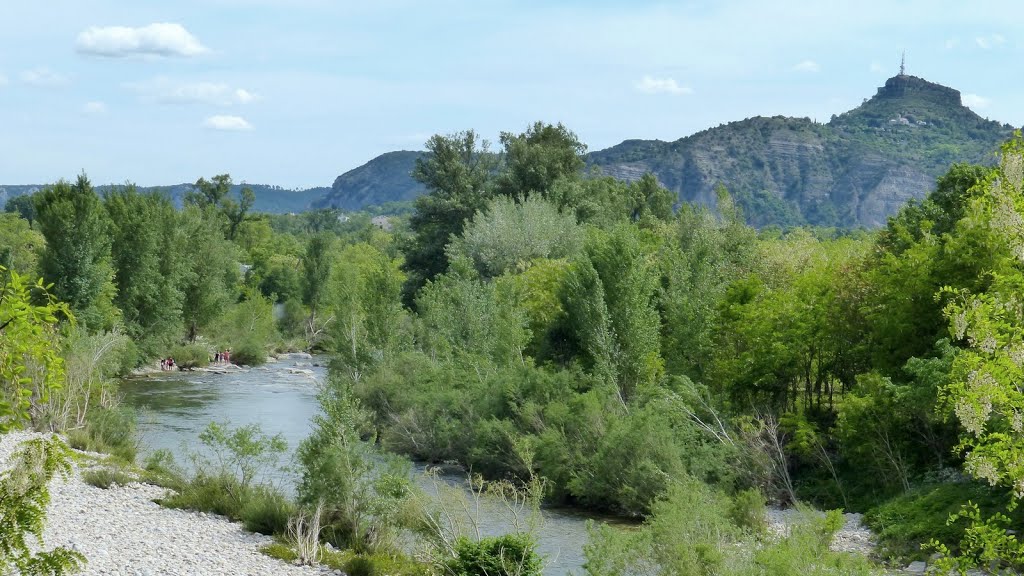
(121,531)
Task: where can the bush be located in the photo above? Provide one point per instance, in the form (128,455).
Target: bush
(161,470)
(106,477)
(266,511)
(508,555)
(228,485)
(114,427)
(689,532)
(906,522)
(216,494)
(806,550)
(109,431)
(249,353)
(747,511)
(189,356)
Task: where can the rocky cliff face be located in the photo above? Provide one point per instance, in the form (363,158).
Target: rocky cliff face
(855,171)
(386,178)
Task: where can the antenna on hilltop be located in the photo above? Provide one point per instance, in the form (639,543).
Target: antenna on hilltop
(903,63)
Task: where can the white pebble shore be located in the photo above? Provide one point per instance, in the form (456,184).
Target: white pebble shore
(121,531)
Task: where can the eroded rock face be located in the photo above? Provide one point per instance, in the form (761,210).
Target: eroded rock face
(855,171)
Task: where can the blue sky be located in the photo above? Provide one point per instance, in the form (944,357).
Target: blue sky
(295,92)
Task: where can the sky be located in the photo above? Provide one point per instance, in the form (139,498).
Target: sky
(296,92)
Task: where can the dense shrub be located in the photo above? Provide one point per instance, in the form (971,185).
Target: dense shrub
(189,356)
(109,431)
(249,353)
(903,524)
(690,532)
(748,511)
(266,511)
(508,555)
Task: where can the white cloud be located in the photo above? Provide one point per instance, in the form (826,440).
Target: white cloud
(650,85)
(243,96)
(807,66)
(160,39)
(43,77)
(168,91)
(877,68)
(3,80)
(989,42)
(94,108)
(227,123)
(952,43)
(975,102)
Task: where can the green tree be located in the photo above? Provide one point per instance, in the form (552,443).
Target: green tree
(211,277)
(237,211)
(215,194)
(77,254)
(702,255)
(148,266)
(610,305)
(247,328)
(20,245)
(342,473)
(365,292)
(457,173)
(650,200)
(24,206)
(984,391)
(28,338)
(537,158)
(209,193)
(316,270)
(468,320)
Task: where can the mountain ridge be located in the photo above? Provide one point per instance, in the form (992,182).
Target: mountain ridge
(853,171)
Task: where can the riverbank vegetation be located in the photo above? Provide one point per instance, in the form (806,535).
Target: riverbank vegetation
(534,320)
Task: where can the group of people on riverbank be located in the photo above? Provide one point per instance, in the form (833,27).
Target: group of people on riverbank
(168,364)
(222,357)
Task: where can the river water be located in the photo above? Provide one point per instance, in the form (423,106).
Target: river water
(281,398)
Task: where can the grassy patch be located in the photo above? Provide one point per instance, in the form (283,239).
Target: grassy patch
(354,564)
(107,431)
(260,508)
(281,551)
(107,477)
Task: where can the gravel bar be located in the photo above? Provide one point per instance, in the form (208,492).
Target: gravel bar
(122,532)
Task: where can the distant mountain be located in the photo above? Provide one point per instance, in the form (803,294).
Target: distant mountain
(386,178)
(271,199)
(856,170)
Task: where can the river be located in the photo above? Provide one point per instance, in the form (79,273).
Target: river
(281,398)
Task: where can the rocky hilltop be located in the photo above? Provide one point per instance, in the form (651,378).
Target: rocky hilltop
(386,178)
(856,170)
(853,171)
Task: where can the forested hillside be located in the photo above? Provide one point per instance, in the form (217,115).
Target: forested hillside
(267,198)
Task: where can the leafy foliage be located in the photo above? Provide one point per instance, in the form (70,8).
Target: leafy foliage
(23,500)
